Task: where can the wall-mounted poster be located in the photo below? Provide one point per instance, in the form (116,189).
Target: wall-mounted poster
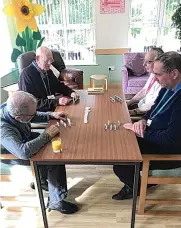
(112,6)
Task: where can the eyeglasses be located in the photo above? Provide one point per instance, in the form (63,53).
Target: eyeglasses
(148,62)
(49,61)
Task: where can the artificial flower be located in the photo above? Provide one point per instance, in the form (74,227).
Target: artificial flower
(24,11)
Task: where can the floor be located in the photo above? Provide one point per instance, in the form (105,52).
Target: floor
(91,187)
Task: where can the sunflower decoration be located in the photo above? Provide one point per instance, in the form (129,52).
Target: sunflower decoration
(24,12)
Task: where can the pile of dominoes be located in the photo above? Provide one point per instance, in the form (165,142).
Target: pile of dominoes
(116,98)
(97,90)
(112,126)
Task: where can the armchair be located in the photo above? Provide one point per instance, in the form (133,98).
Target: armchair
(134,76)
(71,77)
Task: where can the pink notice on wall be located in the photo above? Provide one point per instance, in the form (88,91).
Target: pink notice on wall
(112,6)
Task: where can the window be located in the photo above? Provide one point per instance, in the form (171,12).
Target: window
(5,45)
(68,26)
(150,25)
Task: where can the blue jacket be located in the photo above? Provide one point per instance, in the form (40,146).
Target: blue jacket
(16,137)
(165,128)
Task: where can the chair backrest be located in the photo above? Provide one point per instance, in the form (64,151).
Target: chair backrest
(134,62)
(26,59)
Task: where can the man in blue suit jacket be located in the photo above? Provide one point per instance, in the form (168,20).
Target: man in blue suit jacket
(159,131)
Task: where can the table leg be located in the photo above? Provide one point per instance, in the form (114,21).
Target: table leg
(40,194)
(135,190)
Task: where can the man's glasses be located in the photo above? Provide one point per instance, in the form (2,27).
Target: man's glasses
(50,61)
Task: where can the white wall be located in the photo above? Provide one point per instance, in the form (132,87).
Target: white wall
(112,29)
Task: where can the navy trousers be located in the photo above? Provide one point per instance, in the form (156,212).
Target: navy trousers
(126,172)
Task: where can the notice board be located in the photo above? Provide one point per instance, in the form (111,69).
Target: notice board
(112,6)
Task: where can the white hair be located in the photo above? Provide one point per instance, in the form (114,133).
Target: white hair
(42,50)
(18,103)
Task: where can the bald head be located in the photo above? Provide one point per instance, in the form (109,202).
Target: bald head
(44,58)
(21,105)
(43,51)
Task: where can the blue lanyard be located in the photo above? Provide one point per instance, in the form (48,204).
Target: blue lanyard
(159,109)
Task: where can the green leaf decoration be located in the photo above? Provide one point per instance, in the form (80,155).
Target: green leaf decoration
(37,35)
(20,41)
(40,42)
(16,52)
(34,44)
(26,41)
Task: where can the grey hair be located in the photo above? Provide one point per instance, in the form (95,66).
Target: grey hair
(157,51)
(171,60)
(18,103)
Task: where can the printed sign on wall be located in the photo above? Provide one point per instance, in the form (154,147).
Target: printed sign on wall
(112,6)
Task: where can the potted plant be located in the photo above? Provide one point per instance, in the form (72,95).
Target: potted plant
(28,37)
(176,19)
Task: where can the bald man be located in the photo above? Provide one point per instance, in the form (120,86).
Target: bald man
(39,80)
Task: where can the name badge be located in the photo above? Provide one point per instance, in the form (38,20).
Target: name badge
(51,97)
(148,122)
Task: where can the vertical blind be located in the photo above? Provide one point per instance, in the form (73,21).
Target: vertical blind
(68,26)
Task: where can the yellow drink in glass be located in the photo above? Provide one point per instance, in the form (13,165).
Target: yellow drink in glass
(56,145)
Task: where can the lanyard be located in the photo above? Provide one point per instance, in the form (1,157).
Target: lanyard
(42,78)
(47,89)
(159,109)
(151,84)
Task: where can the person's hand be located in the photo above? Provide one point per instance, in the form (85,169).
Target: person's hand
(59,115)
(139,128)
(52,130)
(128,126)
(64,100)
(75,95)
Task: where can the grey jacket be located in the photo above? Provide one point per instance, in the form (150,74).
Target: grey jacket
(17,137)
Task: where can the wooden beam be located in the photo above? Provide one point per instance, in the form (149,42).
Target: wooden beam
(163,202)
(164,180)
(114,51)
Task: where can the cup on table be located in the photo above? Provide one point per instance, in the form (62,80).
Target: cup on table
(57,145)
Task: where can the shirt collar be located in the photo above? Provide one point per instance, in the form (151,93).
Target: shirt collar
(177,88)
(43,74)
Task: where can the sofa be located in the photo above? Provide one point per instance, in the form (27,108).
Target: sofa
(134,75)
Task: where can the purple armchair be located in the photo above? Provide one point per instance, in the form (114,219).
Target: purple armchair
(134,75)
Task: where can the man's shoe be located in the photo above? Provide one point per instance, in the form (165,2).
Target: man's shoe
(125,193)
(66,208)
(44,186)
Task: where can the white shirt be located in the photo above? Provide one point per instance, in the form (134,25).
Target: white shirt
(149,99)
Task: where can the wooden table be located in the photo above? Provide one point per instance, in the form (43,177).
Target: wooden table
(90,143)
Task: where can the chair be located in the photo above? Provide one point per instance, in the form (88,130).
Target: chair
(172,176)
(134,75)
(71,77)
(98,77)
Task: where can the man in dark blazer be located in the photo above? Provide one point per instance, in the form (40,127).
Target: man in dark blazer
(39,80)
(159,131)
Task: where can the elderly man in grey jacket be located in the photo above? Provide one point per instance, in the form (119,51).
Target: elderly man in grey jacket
(17,138)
